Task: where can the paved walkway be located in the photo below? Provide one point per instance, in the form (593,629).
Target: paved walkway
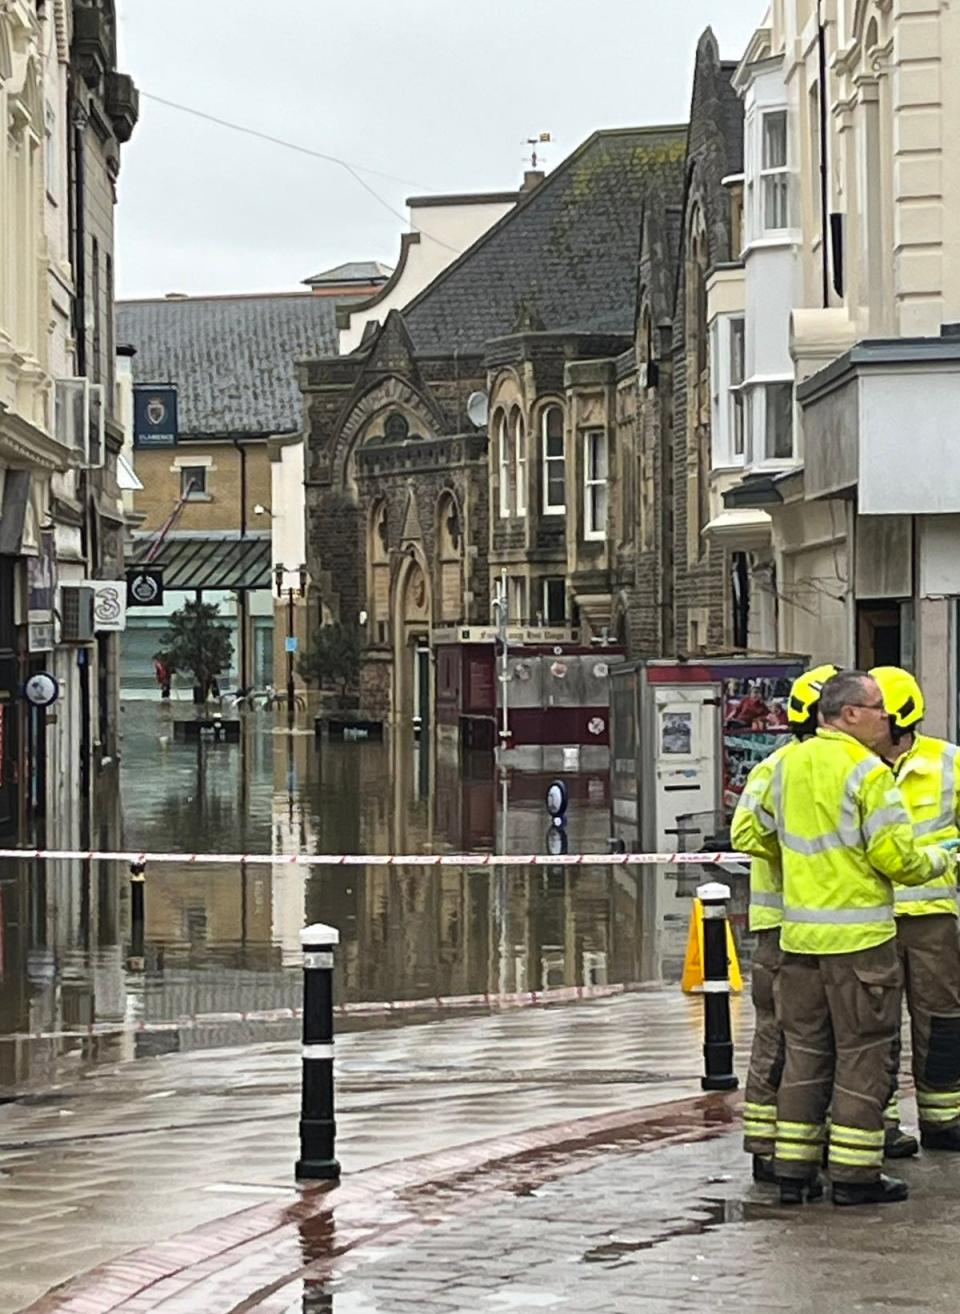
(139,1152)
(508,1163)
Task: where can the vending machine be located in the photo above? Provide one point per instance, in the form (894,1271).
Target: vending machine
(684,737)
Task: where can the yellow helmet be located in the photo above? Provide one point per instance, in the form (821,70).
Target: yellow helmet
(805,694)
(902,695)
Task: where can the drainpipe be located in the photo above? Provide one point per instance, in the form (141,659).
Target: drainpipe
(78,120)
(244,681)
(824,177)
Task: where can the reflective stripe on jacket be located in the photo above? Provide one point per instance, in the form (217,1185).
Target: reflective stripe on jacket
(927,777)
(835,812)
(766,879)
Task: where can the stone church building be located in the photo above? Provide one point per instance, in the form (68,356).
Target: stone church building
(581,316)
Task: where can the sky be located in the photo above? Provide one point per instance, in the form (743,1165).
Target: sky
(438,94)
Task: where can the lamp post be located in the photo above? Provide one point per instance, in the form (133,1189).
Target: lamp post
(293,592)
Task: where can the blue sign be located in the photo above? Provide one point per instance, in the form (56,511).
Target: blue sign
(290,644)
(154,416)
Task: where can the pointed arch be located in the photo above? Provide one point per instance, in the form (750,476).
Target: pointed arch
(449,559)
(378,571)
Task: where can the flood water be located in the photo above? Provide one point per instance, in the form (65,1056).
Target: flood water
(225,941)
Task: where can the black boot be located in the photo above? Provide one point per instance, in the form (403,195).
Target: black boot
(797,1190)
(898,1144)
(885,1190)
(947,1139)
(763,1169)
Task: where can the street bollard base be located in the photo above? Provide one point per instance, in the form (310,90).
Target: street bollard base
(317,1170)
(720,1083)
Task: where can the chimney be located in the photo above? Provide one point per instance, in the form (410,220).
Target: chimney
(532,179)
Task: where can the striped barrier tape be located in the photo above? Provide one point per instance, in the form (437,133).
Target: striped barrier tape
(380,860)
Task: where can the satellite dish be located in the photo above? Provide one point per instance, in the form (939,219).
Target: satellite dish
(478,408)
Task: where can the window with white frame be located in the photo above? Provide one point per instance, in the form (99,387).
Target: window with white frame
(516,599)
(520,461)
(503,459)
(554,462)
(774,173)
(730,402)
(778,421)
(595,484)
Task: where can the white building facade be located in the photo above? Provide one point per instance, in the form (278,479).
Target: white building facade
(852,176)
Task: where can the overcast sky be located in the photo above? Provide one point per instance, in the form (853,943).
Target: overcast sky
(439,93)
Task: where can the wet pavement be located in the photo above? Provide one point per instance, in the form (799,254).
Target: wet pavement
(222,944)
(513,1163)
(145,1151)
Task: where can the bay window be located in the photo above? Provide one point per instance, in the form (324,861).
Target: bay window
(774,174)
(595,484)
(554,462)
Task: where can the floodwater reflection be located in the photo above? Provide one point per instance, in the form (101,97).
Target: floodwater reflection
(222,940)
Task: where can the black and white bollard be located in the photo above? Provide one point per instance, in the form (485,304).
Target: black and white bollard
(136,961)
(318,1128)
(717,1036)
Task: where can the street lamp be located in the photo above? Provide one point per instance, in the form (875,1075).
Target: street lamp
(293,592)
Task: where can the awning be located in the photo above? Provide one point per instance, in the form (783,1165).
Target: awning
(198,561)
(127,480)
(740,528)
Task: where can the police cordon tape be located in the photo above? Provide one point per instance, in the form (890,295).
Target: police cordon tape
(381,860)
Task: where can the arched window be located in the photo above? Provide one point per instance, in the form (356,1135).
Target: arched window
(504,463)
(554,462)
(450,559)
(518,431)
(378,568)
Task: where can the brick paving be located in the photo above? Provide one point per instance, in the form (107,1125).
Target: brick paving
(139,1152)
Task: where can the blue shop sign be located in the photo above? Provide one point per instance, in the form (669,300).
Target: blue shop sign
(154,416)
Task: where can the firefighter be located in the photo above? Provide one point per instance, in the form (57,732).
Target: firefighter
(926,770)
(766,917)
(834,817)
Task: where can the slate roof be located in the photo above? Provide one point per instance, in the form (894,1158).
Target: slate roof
(355,271)
(231,357)
(565,257)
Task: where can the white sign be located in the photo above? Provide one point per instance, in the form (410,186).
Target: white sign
(42,689)
(109,603)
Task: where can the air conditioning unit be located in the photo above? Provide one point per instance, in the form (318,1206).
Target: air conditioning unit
(79,417)
(76,613)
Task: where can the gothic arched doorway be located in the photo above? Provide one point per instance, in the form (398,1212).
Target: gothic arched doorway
(411,643)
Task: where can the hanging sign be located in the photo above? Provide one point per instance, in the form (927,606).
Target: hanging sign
(42,689)
(109,604)
(154,416)
(145,586)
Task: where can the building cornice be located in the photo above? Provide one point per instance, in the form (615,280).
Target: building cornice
(23,443)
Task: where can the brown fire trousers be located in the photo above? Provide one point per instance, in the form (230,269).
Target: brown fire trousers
(767,1054)
(840,1016)
(929,950)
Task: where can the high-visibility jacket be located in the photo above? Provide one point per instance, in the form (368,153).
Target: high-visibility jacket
(929,780)
(833,812)
(766,878)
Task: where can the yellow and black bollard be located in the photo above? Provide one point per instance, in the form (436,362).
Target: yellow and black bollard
(318,1128)
(717,1034)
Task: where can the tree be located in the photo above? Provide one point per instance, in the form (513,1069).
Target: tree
(198,641)
(333,656)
